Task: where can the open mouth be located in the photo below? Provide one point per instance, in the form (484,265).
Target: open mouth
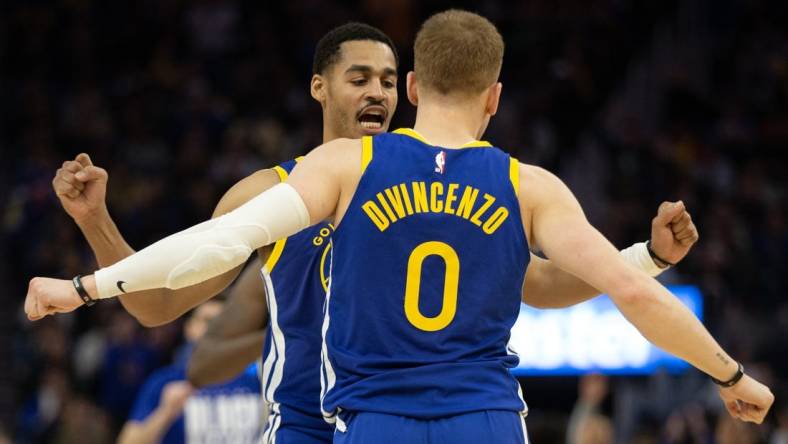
(372,118)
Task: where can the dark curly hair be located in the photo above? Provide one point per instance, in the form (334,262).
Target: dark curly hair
(327,51)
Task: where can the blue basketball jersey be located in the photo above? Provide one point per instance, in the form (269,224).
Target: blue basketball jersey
(227,412)
(295,278)
(426,279)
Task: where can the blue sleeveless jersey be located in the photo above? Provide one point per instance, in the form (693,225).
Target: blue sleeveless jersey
(295,278)
(426,279)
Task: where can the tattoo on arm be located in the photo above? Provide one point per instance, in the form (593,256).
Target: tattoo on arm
(724,360)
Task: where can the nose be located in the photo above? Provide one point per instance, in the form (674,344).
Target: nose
(375,91)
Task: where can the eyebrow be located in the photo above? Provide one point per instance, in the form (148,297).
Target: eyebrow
(368,69)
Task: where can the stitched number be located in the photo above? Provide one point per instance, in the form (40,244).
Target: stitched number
(450,283)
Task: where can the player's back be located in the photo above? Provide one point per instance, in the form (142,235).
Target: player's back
(427,271)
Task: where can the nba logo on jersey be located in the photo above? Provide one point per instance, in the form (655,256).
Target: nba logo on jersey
(440,161)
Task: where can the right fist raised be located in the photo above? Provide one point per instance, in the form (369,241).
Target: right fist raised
(81,188)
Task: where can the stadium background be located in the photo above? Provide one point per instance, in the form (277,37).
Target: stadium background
(631,102)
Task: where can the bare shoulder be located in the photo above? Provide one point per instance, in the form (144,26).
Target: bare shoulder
(541,191)
(537,183)
(337,153)
(245,189)
(537,174)
(339,159)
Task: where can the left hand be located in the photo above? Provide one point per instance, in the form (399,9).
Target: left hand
(672,232)
(748,400)
(47,296)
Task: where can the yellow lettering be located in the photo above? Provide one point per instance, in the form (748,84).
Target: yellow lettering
(466,202)
(451,196)
(375,215)
(406,199)
(420,197)
(451,281)
(495,221)
(395,200)
(386,207)
(475,218)
(436,189)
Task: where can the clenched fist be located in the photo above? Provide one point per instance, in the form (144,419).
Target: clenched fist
(81,188)
(672,232)
(47,296)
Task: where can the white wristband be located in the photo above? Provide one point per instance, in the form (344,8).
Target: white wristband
(210,248)
(637,255)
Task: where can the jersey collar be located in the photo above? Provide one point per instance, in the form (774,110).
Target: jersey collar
(410,132)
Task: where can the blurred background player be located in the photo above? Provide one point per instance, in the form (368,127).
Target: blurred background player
(169,410)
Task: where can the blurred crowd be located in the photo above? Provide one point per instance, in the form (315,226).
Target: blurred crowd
(630,102)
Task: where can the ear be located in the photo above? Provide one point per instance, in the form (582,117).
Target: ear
(493,98)
(413,90)
(317,88)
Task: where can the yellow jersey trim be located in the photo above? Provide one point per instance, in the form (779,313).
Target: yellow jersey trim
(415,134)
(477,144)
(411,133)
(299,158)
(282,174)
(279,246)
(323,278)
(514,174)
(366,152)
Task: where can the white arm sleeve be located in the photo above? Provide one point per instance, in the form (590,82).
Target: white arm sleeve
(210,248)
(637,255)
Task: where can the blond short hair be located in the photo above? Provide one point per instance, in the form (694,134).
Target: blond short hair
(458,52)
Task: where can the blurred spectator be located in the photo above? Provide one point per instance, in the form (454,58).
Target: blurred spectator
(39,414)
(587,425)
(688,425)
(169,410)
(83,423)
(4,439)
(128,360)
(731,431)
(780,435)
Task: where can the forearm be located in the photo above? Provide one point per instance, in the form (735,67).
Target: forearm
(150,307)
(659,316)
(108,245)
(548,286)
(663,320)
(560,228)
(105,240)
(151,430)
(216,361)
(209,249)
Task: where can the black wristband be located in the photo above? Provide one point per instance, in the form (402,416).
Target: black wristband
(655,257)
(77,281)
(731,382)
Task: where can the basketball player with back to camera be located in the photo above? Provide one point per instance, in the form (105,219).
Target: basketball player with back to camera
(384,384)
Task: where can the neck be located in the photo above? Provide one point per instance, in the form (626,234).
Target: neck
(449,124)
(328,133)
